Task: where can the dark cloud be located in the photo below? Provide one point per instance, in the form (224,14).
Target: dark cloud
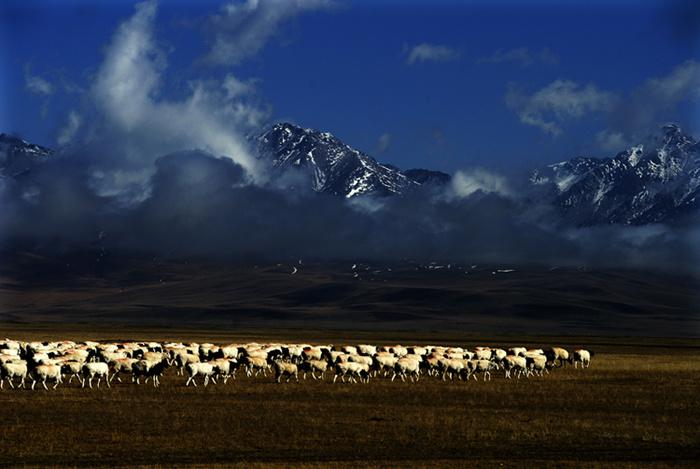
(202,205)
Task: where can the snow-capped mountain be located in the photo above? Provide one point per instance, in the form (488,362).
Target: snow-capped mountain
(334,167)
(18,156)
(655,181)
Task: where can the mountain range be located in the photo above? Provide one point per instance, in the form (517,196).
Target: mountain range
(656,181)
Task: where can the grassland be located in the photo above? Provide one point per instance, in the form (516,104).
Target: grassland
(636,404)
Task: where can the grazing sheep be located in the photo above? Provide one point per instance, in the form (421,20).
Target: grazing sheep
(255,366)
(555,354)
(384,363)
(289,370)
(11,370)
(182,359)
(99,369)
(369,350)
(352,370)
(45,373)
(536,364)
(360,359)
(224,367)
(406,367)
(312,366)
(583,357)
(119,366)
(311,353)
(481,366)
(199,369)
(482,353)
(514,363)
(73,368)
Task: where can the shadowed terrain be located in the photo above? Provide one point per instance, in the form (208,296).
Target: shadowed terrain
(493,299)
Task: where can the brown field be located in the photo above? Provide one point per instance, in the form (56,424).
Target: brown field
(636,404)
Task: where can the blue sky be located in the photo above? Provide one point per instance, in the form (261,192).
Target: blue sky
(444,85)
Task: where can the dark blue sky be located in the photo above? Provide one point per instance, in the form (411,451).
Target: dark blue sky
(444,85)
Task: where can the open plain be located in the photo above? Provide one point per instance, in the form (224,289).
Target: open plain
(636,404)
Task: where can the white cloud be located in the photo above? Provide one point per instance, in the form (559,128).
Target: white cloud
(71,128)
(557,102)
(431,53)
(466,183)
(612,141)
(38,85)
(236,88)
(242,29)
(127,92)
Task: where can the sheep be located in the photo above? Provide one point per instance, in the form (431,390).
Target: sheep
(452,367)
(383,363)
(11,370)
(517,351)
(45,373)
(483,366)
(398,350)
(74,368)
(121,365)
(514,363)
(285,369)
(312,353)
(223,367)
(482,353)
(406,367)
(148,369)
(312,366)
(200,368)
(369,350)
(536,364)
(182,359)
(352,370)
(497,356)
(255,365)
(583,357)
(360,359)
(555,354)
(99,369)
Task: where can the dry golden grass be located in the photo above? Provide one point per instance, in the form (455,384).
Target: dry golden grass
(636,404)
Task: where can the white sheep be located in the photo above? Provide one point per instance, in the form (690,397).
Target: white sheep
(11,370)
(406,367)
(199,369)
(583,357)
(92,369)
(46,373)
(289,370)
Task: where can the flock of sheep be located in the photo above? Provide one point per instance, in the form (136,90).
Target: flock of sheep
(88,362)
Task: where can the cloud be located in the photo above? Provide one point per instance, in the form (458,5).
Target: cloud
(430,53)
(383,143)
(656,100)
(556,103)
(612,141)
(236,88)
(241,30)
(37,85)
(137,124)
(521,55)
(70,129)
(466,183)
